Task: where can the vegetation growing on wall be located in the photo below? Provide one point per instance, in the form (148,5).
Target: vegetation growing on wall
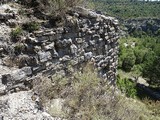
(16,33)
(51,7)
(31,26)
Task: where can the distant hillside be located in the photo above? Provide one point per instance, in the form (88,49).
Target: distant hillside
(126,9)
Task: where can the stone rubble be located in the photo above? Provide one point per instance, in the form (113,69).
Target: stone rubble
(20,106)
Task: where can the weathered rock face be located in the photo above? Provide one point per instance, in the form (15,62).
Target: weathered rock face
(85,36)
(145,25)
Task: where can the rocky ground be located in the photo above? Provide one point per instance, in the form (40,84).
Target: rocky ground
(22,105)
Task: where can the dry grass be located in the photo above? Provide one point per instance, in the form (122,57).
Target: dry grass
(51,7)
(153,108)
(86,97)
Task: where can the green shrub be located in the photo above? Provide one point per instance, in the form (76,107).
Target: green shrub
(128,87)
(128,61)
(152,71)
(31,26)
(19,47)
(137,70)
(138,33)
(158,32)
(139,54)
(16,33)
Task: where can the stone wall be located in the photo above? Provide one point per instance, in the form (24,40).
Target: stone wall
(85,36)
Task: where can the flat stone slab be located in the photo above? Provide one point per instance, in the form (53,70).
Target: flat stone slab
(5,70)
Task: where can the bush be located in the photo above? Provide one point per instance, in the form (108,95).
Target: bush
(18,48)
(152,71)
(31,26)
(128,87)
(51,7)
(128,61)
(29,3)
(138,33)
(154,106)
(139,53)
(16,33)
(158,32)
(85,97)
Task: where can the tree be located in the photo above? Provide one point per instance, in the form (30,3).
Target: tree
(128,61)
(153,72)
(139,53)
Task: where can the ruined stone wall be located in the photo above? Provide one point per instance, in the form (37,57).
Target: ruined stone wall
(85,36)
(82,37)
